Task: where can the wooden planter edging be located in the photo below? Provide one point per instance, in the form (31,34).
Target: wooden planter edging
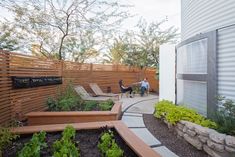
(44,118)
(136,144)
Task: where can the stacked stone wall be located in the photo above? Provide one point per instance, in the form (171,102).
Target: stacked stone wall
(212,142)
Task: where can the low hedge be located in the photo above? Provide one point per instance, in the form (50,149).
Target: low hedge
(173,114)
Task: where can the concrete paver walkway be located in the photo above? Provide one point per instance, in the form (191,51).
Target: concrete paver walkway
(133,121)
(133,110)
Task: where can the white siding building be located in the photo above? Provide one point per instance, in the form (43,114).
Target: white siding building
(206,55)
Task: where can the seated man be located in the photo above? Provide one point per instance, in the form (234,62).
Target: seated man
(144,86)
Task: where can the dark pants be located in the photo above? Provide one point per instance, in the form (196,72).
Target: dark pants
(142,90)
(127,89)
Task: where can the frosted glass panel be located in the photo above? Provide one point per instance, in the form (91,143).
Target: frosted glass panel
(192,58)
(192,94)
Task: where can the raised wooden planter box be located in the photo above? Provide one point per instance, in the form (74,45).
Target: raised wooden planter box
(43,118)
(137,145)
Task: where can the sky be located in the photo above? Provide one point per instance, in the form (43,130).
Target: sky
(155,10)
(151,10)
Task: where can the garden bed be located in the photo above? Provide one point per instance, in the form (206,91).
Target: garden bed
(213,137)
(169,138)
(88,135)
(62,117)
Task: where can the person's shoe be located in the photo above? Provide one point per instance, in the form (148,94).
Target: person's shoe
(131,96)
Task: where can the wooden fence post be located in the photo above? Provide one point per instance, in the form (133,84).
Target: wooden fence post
(5,82)
(91,67)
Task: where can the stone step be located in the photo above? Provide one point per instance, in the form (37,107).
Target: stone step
(132,121)
(146,136)
(132,114)
(164,152)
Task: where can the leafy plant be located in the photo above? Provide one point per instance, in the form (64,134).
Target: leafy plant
(173,113)
(114,151)
(225,116)
(6,138)
(108,146)
(65,147)
(66,101)
(136,89)
(67,104)
(90,105)
(34,146)
(52,103)
(106,105)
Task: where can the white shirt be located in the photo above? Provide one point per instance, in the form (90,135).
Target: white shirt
(145,84)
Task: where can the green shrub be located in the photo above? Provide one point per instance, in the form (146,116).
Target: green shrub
(106,105)
(67,104)
(173,114)
(65,147)
(108,146)
(52,103)
(90,105)
(33,147)
(6,138)
(65,101)
(225,116)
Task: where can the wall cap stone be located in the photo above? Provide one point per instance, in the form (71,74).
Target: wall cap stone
(203,130)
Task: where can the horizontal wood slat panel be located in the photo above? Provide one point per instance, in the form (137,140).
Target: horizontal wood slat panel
(15,103)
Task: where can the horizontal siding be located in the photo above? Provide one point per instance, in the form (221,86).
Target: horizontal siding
(226,62)
(199,16)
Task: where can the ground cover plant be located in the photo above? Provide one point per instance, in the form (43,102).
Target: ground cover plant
(225,116)
(173,114)
(70,143)
(6,138)
(68,100)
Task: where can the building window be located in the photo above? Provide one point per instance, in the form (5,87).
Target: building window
(196,73)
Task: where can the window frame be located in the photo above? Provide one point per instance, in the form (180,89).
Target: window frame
(211,77)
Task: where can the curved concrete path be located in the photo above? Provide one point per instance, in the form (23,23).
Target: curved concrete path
(133,110)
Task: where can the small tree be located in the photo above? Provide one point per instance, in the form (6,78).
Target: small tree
(51,22)
(116,53)
(8,38)
(143,45)
(150,37)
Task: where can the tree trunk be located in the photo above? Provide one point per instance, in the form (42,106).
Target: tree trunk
(61,45)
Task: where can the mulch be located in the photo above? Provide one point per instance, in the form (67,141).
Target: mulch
(168,137)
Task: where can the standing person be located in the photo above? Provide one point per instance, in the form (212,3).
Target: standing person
(144,86)
(125,89)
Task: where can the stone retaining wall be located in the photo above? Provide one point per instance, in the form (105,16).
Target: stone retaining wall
(213,143)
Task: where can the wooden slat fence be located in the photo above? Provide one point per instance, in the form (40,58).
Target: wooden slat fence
(15,103)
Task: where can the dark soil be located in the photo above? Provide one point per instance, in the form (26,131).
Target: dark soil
(169,138)
(87,141)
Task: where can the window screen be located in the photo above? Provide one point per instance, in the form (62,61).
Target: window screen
(192,58)
(192,94)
